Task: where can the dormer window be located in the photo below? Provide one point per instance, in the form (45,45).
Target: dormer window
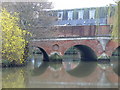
(36,14)
(60,15)
(70,15)
(80,14)
(92,14)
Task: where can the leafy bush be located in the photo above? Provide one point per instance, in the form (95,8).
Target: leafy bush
(13,37)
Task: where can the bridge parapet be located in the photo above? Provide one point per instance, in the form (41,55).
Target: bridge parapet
(83,31)
(76,31)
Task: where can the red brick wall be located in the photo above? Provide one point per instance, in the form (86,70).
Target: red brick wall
(66,44)
(111,47)
(103,30)
(74,31)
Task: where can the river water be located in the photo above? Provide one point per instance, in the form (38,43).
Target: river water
(66,74)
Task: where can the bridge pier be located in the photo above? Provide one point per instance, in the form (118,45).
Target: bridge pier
(103,43)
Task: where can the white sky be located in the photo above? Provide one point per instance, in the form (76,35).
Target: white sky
(68,4)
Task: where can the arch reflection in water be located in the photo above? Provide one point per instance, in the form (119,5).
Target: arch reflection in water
(82,69)
(54,66)
(38,63)
(80,61)
(115,61)
(39,70)
(71,58)
(37,57)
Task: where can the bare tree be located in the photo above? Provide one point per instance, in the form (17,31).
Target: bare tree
(36,17)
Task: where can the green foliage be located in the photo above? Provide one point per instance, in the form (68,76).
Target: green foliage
(13,37)
(111,10)
(55,57)
(115,31)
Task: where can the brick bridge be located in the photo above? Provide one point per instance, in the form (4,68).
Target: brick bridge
(92,41)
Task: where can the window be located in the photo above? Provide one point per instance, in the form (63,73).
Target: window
(70,15)
(80,14)
(35,14)
(60,15)
(92,14)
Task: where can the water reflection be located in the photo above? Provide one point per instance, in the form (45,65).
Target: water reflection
(69,73)
(55,66)
(70,65)
(13,78)
(36,61)
(83,69)
(76,65)
(104,66)
(77,68)
(39,70)
(115,63)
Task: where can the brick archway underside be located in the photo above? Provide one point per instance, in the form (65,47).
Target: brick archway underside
(45,55)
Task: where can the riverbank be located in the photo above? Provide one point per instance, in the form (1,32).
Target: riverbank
(7,63)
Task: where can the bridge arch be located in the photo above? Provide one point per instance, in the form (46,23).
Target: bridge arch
(45,55)
(92,45)
(86,52)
